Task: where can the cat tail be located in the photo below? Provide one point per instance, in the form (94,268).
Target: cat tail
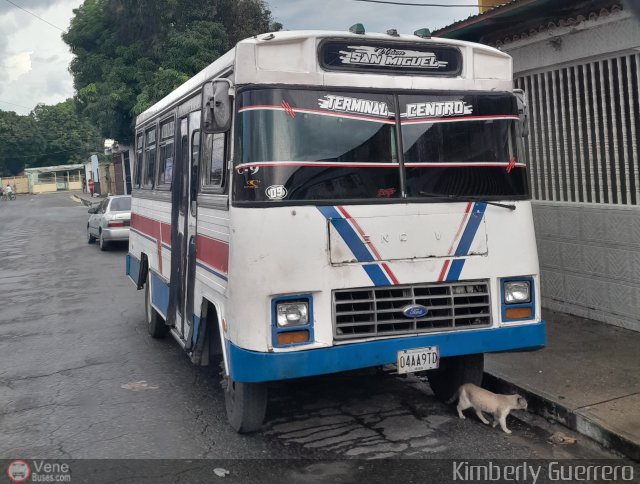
(454,397)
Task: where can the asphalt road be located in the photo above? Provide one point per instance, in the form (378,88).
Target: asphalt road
(80,378)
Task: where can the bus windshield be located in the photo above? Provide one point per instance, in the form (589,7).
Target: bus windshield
(309,145)
(306,142)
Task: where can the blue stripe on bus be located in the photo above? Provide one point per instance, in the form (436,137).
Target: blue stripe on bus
(357,247)
(252,366)
(132,268)
(376,274)
(477,212)
(470,231)
(209,269)
(159,294)
(455,269)
(142,235)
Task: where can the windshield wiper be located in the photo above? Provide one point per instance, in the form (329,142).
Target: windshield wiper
(459,198)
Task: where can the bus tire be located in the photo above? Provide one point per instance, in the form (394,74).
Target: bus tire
(246,405)
(155,324)
(453,372)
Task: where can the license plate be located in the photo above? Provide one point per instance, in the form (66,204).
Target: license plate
(418,359)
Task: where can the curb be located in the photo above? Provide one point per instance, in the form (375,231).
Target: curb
(574,420)
(86,203)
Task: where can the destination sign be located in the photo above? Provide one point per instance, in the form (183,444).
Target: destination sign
(392,57)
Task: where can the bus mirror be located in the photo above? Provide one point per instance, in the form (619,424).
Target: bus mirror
(523,113)
(216,106)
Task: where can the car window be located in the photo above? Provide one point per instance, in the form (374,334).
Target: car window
(120,205)
(102,208)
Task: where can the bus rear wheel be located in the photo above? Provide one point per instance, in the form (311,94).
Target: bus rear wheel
(453,372)
(155,324)
(246,405)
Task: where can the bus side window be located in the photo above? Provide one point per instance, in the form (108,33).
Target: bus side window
(139,158)
(150,157)
(167,153)
(214,161)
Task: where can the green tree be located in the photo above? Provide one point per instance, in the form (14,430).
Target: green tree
(68,137)
(131,53)
(49,135)
(20,142)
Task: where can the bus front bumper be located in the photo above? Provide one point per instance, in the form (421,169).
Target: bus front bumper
(253,366)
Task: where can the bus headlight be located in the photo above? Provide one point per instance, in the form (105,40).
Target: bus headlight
(292,313)
(517,292)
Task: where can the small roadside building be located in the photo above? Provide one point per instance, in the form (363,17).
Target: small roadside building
(121,168)
(47,179)
(579,63)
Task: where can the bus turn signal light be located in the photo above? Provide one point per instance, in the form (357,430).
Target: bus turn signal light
(518,313)
(293,337)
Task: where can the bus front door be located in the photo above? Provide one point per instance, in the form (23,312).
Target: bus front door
(184,224)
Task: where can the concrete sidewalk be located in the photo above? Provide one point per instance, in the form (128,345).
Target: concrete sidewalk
(86,198)
(587,378)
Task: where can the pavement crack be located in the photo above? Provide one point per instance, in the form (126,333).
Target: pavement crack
(97,441)
(37,407)
(10,381)
(607,401)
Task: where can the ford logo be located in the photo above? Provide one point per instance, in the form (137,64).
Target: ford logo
(415,311)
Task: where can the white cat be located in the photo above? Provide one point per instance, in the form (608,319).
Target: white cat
(499,406)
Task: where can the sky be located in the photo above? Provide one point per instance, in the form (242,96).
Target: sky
(34,60)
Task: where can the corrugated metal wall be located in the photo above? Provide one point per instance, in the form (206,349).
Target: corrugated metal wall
(585,125)
(584,175)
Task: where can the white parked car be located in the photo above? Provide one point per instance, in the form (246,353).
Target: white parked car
(109,221)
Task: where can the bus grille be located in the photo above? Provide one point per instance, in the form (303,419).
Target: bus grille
(378,311)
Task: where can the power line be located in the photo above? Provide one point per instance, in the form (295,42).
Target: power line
(39,18)
(444,5)
(14,104)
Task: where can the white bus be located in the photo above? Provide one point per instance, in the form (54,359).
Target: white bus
(315,202)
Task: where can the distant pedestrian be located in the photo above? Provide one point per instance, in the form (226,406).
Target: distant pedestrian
(8,192)
(84,186)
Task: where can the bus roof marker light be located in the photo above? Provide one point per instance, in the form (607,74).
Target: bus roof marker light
(423,33)
(393,33)
(357,29)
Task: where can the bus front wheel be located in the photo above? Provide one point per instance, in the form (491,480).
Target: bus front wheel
(246,404)
(453,372)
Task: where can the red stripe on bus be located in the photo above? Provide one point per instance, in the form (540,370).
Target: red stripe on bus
(454,119)
(339,114)
(166,234)
(462,224)
(146,225)
(319,164)
(367,241)
(389,272)
(363,236)
(213,252)
(462,165)
(443,272)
